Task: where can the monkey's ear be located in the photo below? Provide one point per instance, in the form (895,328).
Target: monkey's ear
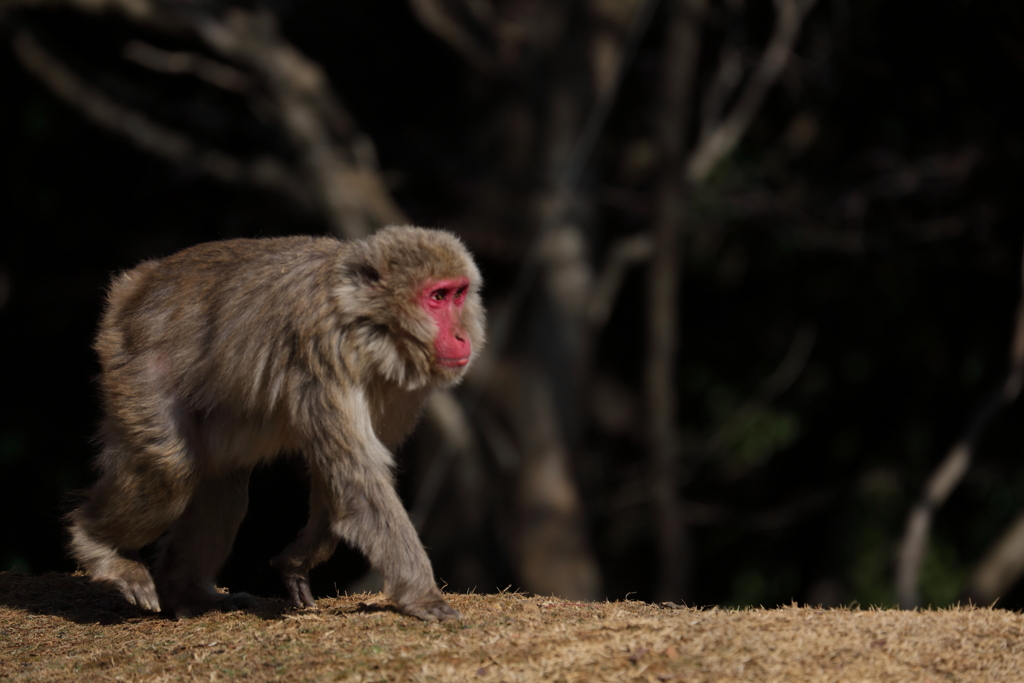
(366,273)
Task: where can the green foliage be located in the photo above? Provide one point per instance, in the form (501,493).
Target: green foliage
(764,588)
(872,548)
(14,562)
(943,574)
(748,435)
(13,447)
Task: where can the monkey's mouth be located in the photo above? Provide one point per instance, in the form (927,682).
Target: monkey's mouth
(454,362)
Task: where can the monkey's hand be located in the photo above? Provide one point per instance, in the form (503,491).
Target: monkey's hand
(297,584)
(295,575)
(431,609)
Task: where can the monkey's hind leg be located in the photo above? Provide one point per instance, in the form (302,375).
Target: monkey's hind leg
(134,502)
(315,544)
(197,546)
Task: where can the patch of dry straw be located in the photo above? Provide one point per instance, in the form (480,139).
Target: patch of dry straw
(59,628)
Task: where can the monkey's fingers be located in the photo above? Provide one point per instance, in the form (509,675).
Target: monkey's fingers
(139,594)
(298,590)
(434,610)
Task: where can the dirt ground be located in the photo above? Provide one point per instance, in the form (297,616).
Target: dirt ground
(57,627)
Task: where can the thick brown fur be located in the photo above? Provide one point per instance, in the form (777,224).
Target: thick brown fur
(224,355)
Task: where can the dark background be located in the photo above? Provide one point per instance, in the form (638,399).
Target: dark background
(912,322)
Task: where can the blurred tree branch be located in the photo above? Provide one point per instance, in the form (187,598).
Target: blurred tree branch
(264,171)
(551,544)
(679,69)
(715,141)
(947,476)
(438,19)
(355,197)
(582,299)
(1001,566)
(202,67)
(718,138)
(623,254)
(569,120)
(336,160)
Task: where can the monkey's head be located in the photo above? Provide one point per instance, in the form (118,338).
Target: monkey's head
(418,292)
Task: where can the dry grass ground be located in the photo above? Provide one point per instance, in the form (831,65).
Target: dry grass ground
(59,628)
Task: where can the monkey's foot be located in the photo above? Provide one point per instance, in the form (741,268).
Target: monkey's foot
(131,578)
(107,566)
(431,609)
(298,590)
(199,602)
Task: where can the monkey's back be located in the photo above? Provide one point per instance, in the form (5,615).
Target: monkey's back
(225,322)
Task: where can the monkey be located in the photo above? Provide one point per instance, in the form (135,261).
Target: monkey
(226,354)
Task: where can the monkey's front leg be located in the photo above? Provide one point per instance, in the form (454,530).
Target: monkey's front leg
(378,524)
(356,500)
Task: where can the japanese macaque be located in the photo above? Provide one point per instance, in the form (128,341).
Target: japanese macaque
(224,355)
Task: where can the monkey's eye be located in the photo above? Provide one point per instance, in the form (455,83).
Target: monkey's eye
(460,293)
(439,294)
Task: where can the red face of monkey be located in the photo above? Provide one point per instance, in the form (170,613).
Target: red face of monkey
(443,301)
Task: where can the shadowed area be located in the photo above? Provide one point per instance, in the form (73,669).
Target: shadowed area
(74,598)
